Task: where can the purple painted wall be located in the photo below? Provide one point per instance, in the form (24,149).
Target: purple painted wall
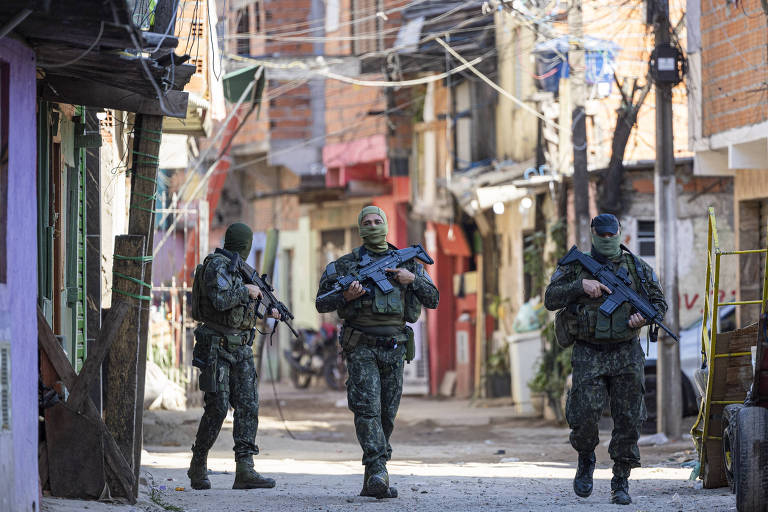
(18,301)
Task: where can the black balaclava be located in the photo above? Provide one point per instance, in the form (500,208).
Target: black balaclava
(239,239)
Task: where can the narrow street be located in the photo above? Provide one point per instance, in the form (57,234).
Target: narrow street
(447,454)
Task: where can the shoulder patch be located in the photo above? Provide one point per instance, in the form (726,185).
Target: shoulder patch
(223,281)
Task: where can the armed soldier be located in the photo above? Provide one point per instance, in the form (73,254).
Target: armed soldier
(608,361)
(227,309)
(374,338)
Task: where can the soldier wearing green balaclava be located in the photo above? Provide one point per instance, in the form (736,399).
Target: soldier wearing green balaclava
(607,359)
(226,307)
(373,233)
(373,339)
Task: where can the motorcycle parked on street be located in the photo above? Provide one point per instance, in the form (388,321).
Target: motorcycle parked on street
(316,354)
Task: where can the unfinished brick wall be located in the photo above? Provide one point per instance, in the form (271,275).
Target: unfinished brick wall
(734,71)
(351,110)
(288,25)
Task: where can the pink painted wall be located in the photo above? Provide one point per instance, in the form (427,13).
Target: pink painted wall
(18,301)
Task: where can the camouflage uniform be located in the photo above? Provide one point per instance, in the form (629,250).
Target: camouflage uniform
(608,361)
(224,341)
(375,379)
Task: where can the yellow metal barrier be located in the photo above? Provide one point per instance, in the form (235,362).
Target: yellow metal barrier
(709,328)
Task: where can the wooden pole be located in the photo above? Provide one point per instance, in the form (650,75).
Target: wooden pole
(147,133)
(122,397)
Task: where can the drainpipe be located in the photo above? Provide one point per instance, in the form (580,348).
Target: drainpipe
(14,22)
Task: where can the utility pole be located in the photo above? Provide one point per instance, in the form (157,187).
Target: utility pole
(577,67)
(669,399)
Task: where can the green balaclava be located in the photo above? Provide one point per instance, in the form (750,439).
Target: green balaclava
(609,246)
(239,239)
(374,237)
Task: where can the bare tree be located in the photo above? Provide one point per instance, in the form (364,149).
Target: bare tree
(632,99)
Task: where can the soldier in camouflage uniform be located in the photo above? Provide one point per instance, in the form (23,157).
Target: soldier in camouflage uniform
(608,361)
(373,340)
(227,308)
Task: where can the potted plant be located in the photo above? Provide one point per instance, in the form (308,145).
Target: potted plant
(498,379)
(552,373)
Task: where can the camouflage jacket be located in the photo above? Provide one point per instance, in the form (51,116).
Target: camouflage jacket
(565,290)
(381,310)
(225,301)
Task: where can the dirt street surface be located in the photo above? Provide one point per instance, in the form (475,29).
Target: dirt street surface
(448,454)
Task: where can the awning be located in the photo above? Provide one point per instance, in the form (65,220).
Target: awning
(88,54)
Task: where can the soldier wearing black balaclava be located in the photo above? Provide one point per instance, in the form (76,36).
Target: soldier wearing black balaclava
(226,307)
(373,339)
(608,361)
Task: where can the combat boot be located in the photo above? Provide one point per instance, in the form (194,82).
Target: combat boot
(247,478)
(620,485)
(378,481)
(198,470)
(582,482)
(391,491)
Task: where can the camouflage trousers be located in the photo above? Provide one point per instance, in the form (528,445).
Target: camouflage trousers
(237,387)
(374,388)
(598,376)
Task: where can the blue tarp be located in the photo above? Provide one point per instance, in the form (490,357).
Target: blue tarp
(600,59)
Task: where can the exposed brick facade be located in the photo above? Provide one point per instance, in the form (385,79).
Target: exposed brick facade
(734,70)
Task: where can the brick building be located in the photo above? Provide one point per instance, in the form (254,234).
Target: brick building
(729,119)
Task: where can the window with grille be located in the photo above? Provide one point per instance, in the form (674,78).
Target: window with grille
(646,238)
(366,26)
(4,149)
(243,29)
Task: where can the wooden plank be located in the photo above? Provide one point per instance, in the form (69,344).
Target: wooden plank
(147,133)
(93,274)
(117,466)
(75,454)
(100,95)
(122,379)
(92,366)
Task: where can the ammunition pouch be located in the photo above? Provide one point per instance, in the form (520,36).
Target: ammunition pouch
(410,345)
(562,335)
(205,357)
(213,354)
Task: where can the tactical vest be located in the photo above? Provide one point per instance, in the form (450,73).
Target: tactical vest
(240,318)
(586,322)
(381,309)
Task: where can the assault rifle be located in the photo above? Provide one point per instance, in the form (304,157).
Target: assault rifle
(375,270)
(268,301)
(621,290)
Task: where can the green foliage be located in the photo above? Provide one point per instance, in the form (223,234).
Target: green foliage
(496,302)
(533,260)
(558,233)
(498,362)
(554,368)
(157,498)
